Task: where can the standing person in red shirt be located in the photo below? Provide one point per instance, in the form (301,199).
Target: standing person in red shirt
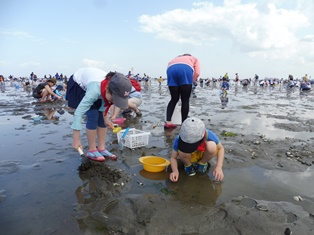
(182,71)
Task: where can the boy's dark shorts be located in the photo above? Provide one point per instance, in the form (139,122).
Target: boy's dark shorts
(37,96)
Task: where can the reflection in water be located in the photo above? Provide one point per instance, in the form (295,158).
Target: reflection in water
(236,89)
(2,87)
(147,90)
(163,175)
(169,135)
(86,195)
(304,94)
(255,89)
(224,101)
(270,89)
(290,91)
(160,91)
(197,189)
(49,112)
(82,200)
(245,88)
(293,179)
(27,88)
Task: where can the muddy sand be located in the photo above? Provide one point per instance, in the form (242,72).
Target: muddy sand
(47,188)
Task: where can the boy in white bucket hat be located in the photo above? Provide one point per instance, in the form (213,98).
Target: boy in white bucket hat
(196,146)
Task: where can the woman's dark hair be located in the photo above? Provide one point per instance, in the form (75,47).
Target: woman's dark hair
(186,54)
(110,75)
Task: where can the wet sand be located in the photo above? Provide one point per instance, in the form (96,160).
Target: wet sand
(267,163)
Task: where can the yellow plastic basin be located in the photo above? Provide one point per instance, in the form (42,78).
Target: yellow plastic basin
(154,164)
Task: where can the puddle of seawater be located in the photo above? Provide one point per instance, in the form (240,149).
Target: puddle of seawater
(255,182)
(272,185)
(247,113)
(39,200)
(250,123)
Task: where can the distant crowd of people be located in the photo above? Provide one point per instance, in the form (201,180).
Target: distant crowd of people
(223,82)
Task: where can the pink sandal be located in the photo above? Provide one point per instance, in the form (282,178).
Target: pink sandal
(107,154)
(95,156)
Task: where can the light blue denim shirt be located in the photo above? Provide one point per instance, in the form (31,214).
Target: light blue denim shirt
(92,94)
(135,93)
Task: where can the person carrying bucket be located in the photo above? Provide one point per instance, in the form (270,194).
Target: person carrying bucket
(90,91)
(182,71)
(196,146)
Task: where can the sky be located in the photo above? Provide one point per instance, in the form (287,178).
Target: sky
(271,38)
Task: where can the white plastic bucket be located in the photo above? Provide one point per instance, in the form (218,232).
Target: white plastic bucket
(176,116)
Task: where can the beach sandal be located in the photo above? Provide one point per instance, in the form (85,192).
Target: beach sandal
(107,154)
(170,126)
(127,111)
(95,156)
(138,113)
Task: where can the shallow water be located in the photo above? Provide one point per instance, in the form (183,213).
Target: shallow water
(40,186)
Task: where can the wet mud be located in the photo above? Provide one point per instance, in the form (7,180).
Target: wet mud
(267,134)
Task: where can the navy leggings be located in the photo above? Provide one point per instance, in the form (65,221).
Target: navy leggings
(177,92)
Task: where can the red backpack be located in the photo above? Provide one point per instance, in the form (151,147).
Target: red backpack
(136,85)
